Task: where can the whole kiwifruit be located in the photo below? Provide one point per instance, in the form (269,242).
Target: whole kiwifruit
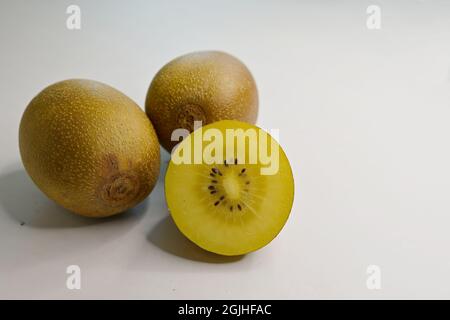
(89,147)
(205,86)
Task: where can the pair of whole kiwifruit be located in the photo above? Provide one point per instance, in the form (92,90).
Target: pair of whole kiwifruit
(92,150)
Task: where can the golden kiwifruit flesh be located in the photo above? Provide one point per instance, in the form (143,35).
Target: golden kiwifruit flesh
(229,200)
(89,147)
(205,86)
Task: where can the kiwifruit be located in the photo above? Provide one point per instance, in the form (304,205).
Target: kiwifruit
(228,207)
(89,147)
(205,86)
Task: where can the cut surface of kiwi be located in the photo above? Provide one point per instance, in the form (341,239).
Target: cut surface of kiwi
(229,207)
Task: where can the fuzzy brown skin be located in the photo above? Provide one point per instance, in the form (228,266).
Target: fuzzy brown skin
(89,147)
(207,86)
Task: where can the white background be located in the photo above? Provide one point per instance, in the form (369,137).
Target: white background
(363,117)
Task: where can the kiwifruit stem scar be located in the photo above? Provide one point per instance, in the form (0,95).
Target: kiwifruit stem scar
(189,113)
(232,187)
(120,189)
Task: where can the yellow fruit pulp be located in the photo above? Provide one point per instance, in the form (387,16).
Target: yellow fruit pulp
(229,208)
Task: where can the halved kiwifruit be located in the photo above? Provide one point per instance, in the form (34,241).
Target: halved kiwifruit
(234,200)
